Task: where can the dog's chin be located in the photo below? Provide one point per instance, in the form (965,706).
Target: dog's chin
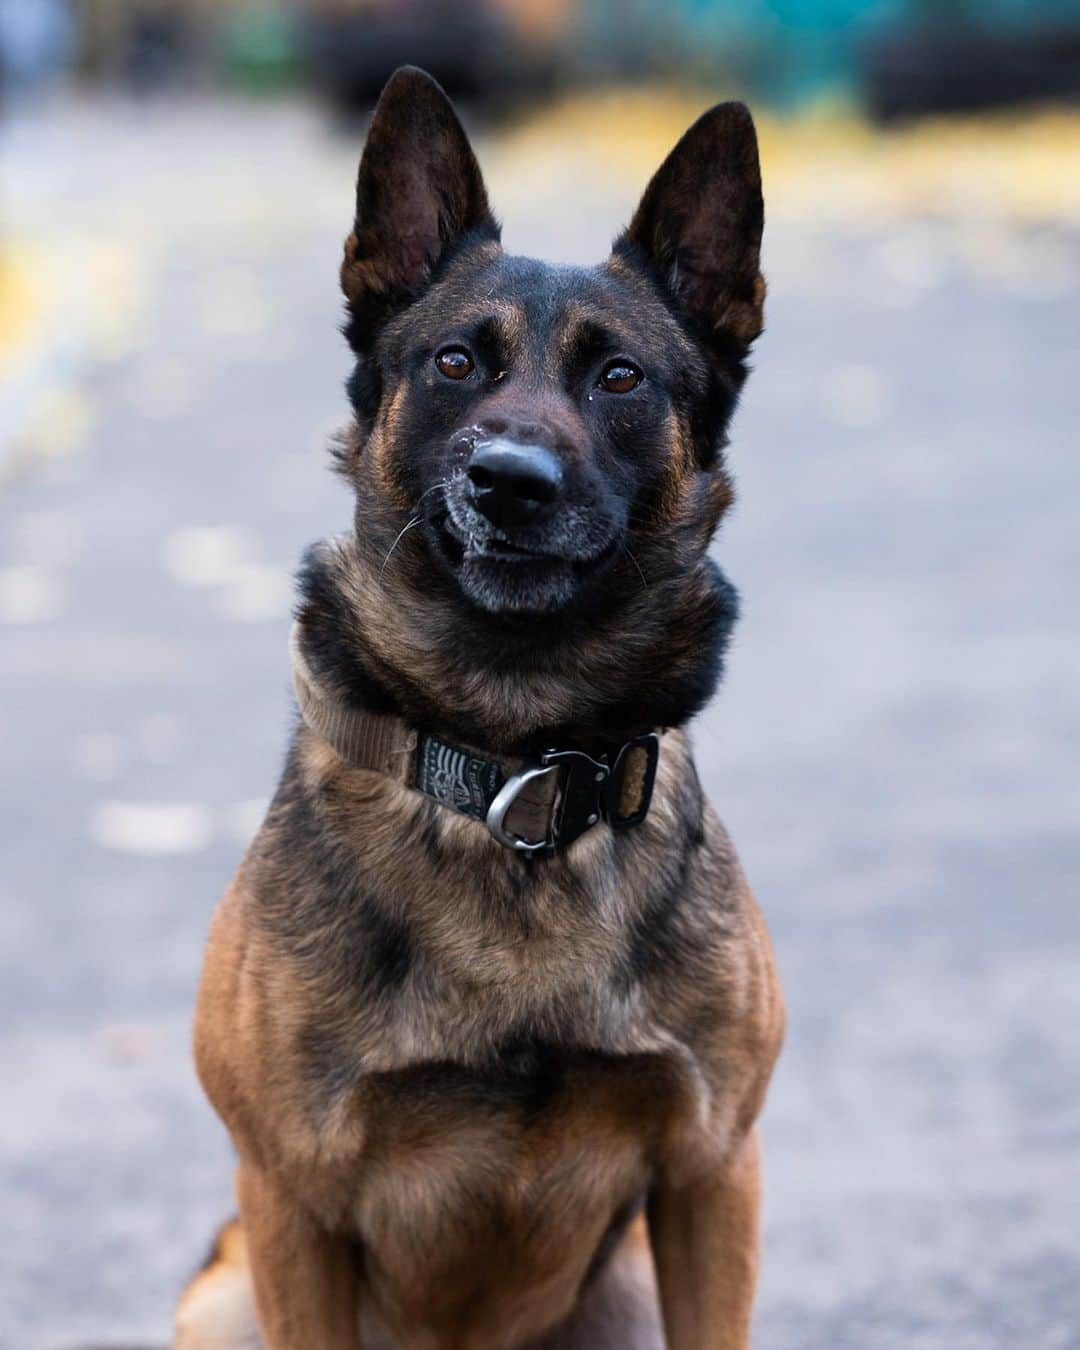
(506,581)
(518,586)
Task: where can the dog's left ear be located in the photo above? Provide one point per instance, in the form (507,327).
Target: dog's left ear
(699,225)
(419,189)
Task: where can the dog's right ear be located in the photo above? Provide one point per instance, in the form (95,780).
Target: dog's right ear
(419,190)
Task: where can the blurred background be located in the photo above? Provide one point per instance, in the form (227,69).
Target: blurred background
(895,748)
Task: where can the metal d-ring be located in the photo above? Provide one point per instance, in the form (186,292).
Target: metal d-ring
(504,800)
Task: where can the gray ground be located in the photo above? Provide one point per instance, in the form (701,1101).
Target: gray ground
(895,748)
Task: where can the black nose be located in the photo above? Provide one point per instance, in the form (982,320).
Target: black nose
(514,484)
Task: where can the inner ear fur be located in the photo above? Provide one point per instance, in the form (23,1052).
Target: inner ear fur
(419,191)
(699,226)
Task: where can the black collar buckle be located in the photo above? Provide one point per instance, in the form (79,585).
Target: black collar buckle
(587,790)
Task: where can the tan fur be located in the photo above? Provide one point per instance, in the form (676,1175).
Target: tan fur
(379,450)
(217,1310)
(744,319)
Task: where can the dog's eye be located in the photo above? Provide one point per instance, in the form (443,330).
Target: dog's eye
(454,362)
(619,377)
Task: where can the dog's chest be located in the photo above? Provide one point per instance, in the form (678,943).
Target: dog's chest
(481,1185)
(451,963)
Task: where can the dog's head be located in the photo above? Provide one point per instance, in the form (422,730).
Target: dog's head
(553,436)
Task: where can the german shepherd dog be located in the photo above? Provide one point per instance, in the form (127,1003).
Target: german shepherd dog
(489,1010)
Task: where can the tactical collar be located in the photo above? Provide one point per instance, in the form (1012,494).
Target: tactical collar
(535,807)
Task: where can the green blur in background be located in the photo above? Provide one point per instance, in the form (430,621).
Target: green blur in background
(898,57)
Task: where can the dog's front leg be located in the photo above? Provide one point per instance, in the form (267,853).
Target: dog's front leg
(305,1279)
(705,1239)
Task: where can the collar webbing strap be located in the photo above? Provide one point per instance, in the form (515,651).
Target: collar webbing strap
(533,807)
(376,741)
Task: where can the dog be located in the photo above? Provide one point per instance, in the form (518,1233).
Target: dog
(489,1010)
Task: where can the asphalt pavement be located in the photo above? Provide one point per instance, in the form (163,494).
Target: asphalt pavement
(895,749)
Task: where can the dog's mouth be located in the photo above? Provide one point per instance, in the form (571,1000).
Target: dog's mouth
(508,575)
(499,549)
(495,546)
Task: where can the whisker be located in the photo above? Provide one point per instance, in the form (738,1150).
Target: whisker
(401,535)
(442,483)
(641,574)
(409,524)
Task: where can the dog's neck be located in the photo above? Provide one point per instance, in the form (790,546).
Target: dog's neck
(397,637)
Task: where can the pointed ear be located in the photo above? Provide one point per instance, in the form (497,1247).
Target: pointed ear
(418,191)
(699,226)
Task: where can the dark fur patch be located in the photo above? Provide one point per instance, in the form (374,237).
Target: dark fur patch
(341,931)
(330,1070)
(326,619)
